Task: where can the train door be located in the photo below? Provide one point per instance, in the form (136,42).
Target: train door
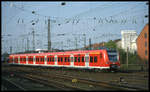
(94,60)
(75,60)
(60,60)
(79,60)
(50,60)
(37,59)
(16,59)
(82,60)
(10,59)
(101,59)
(66,60)
(41,59)
(30,59)
(22,59)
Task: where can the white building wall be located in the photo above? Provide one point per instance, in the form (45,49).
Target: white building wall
(128,40)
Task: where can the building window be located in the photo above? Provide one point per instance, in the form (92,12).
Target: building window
(145,35)
(146,52)
(145,44)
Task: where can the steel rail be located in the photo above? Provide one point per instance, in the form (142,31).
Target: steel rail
(11,85)
(93,82)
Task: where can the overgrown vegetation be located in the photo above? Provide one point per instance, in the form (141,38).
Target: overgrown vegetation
(132,58)
(111,44)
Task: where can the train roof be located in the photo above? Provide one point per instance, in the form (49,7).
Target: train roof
(65,52)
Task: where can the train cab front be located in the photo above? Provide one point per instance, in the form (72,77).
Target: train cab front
(113,59)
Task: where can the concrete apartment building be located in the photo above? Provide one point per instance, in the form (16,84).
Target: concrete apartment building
(143,43)
(129,40)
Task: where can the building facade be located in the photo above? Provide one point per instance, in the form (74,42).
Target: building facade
(143,43)
(129,40)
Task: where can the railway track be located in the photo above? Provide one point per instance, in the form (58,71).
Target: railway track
(95,82)
(60,79)
(42,80)
(47,79)
(9,85)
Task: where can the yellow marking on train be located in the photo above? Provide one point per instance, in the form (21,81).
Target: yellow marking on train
(94,53)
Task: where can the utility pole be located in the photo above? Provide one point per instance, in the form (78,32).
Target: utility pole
(27,44)
(22,44)
(76,43)
(62,45)
(49,40)
(33,40)
(10,49)
(84,40)
(90,43)
(127,58)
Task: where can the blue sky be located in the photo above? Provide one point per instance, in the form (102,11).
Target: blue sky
(100,21)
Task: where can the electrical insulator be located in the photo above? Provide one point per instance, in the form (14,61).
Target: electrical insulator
(63,3)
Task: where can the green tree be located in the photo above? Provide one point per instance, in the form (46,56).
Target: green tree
(111,44)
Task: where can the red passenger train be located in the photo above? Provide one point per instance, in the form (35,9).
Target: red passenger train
(87,59)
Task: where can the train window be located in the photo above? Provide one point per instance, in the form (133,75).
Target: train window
(61,59)
(91,59)
(58,59)
(95,58)
(65,59)
(48,59)
(68,59)
(53,59)
(78,59)
(75,59)
(41,59)
(82,59)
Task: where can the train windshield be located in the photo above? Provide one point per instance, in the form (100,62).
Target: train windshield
(112,54)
